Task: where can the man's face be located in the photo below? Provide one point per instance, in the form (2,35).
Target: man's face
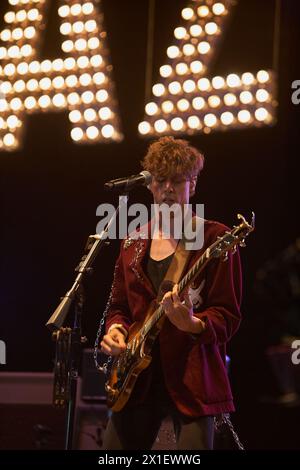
(170,190)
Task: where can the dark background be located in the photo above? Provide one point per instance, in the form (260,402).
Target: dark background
(50,189)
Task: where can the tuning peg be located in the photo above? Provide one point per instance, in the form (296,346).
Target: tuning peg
(242,243)
(233,250)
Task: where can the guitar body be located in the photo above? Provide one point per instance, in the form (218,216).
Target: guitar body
(129,364)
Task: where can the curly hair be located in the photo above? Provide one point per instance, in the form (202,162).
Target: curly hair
(169,157)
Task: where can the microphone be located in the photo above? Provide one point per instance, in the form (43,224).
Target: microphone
(126,184)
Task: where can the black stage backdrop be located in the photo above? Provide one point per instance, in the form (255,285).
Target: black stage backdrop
(50,189)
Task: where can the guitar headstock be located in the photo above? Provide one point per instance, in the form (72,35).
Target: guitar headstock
(233,238)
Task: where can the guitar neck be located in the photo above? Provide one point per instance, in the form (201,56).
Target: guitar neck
(186,280)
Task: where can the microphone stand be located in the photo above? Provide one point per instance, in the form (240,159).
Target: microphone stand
(56,321)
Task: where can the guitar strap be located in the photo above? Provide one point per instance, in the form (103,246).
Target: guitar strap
(176,269)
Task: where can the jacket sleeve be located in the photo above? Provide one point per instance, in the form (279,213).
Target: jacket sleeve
(221,308)
(118,310)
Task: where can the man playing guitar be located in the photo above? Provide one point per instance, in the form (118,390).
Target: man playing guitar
(186,378)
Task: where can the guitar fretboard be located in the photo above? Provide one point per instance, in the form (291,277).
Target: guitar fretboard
(187,279)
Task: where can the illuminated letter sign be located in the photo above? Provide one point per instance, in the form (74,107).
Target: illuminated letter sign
(80,83)
(186,100)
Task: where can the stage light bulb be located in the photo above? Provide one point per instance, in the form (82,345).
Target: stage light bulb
(210,120)
(44,101)
(261,114)
(196,30)
(75,9)
(180,33)
(203,84)
(198,103)
(262,76)
(203,47)
(96,60)
(93,43)
(78,27)
(181,68)
(218,9)
(77,134)
(101,96)
(203,11)
(65,28)
(233,80)
(183,105)
(160,125)
(244,116)
(64,11)
(9,140)
(92,132)
(144,127)
(165,71)
(83,62)
(45,83)
(229,99)
(246,97)
(105,113)
(151,109)
(67,46)
(196,66)
(85,79)
(167,106)
(158,89)
(173,52)
(188,49)
(59,100)
(189,86)
(262,95)
(87,97)
(218,82)
(73,98)
(90,26)
(30,102)
(227,118)
(187,13)
(107,131)
(90,115)
(193,122)
(87,8)
(174,88)
(177,124)
(214,101)
(211,28)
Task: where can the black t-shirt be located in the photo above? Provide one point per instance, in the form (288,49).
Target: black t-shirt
(156,271)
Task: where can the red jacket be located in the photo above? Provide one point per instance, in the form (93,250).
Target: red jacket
(194,370)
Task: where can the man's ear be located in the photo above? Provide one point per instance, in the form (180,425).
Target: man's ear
(193,183)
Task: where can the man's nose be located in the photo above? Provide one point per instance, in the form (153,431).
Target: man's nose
(169,186)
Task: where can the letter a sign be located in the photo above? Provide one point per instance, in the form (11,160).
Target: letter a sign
(80,82)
